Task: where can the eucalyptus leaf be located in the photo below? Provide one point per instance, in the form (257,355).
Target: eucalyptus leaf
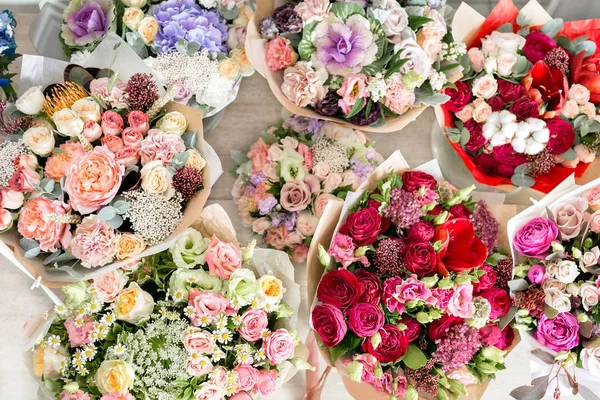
(115,222)
(565,42)
(107,213)
(535,391)
(522,19)
(121,206)
(465,135)
(34,252)
(518,285)
(506,319)
(553,27)
(238,157)
(587,394)
(28,244)
(192,48)
(430,100)
(189,138)
(505,28)
(550,312)
(522,180)
(135,41)
(588,46)
(52,257)
(49,186)
(543,356)
(569,155)
(181,46)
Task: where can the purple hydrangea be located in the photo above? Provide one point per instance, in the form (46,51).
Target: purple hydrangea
(86,22)
(266,205)
(184,19)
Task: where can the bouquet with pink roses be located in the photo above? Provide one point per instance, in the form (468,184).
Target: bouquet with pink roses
(97,171)
(413,289)
(204,319)
(286,179)
(556,288)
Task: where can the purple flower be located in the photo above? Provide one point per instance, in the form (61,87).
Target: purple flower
(268,29)
(86,22)
(361,169)
(290,221)
(286,19)
(257,178)
(343,47)
(535,238)
(184,19)
(266,205)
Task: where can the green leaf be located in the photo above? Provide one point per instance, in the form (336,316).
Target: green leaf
(349,343)
(189,138)
(107,213)
(411,394)
(192,48)
(465,135)
(121,206)
(569,155)
(430,100)
(505,28)
(28,244)
(305,47)
(344,10)
(550,312)
(181,46)
(414,357)
(565,42)
(522,19)
(588,46)
(356,108)
(553,27)
(115,222)
(112,81)
(415,21)
(238,157)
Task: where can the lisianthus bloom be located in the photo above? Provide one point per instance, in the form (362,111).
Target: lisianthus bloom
(461,249)
(547,85)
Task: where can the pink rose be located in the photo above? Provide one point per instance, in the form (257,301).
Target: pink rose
(223,258)
(127,156)
(465,114)
(6,219)
(279,53)
(535,238)
(199,341)
(299,253)
(558,333)
(112,123)
(349,178)
(485,86)
(342,250)
(95,243)
(506,63)
(588,109)
(218,376)
(199,366)
(353,88)
(261,225)
(332,182)
(161,146)
(584,154)
(321,202)
(398,97)
(247,377)
(593,198)
(365,319)
(132,137)
(279,346)
(10,199)
(138,120)
(570,216)
(595,222)
(207,304)
(34,223)
(241,396)
(109,285)
(24,179)
(461,303)
(253,323)
(113,143)
(295,195)
(92,131)
(477,59)
(266,383)
(537,274)
(208,391)
(482,110)
(306,223)
(117,396)
(94,180)
(313,183)
(78,336)
(77,395)
(321,170)
(259,153)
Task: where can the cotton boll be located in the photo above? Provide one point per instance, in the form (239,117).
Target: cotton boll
(533,147)
(536,124)
(498,140)
(494,119)
(489,130)
(519,145)
(542,136)
(507,117)
(509,129)
(523,130)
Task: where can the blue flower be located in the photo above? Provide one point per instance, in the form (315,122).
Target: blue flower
(4,82)
(7,34)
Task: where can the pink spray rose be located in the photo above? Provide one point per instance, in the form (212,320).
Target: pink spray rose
(112,123)
(78,336)
(77,395)
(266,383)
(253,323)
(127,156)
(92,131)
(95,243)
(109,285)
(199,341)
(34,223)
(279,53)
(208,304)
(558,333)
(223,258)
(138,120)
(461,303)
(365,319)
(535,237)
(353,88)
(247,377)
(279,346)
(132,137)
(593,198)
(111,142)
(537,274)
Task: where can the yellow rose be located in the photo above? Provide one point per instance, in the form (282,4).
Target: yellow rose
(114,376)
(239,54)
(195,159)
(133,304)
(130,245)
(270,290)
(173,122)
(148,28)
(157,179)
(132,18)
(229,68)
(47,361)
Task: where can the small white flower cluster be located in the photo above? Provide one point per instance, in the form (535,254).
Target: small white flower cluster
(377,87)
(437,80)
(452,51)
(529,137)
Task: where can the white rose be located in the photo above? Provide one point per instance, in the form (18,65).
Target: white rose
(47,361)
(590,259)
(491,65)
(392,17)
(558,300)
(68,122)
(133,304)
(580,94)
(148,28)
(40,140)
(508,42)
(589,295)
(156,179)
(132,18)
(482,111)
(321,171)
(114,376)
(590,359)
(552,283)
(489,47)
(307,223)
(87,109)
(506,63)
(32,101)
(485,87)
(134,3)
(566,271)
(261,225)
(173,122)
(418,61)
(195,159)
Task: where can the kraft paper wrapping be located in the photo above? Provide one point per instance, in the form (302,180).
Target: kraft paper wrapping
(333,217)
(255,50)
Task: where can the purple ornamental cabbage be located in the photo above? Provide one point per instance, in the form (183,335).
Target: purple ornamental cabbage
(87,21)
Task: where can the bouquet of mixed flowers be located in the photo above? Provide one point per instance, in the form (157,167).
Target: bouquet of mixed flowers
(96,170)
(204,320)
(355,62)
(8,23)
(288,176)
(413,288)
(198,46)
(525,110)
(557,288)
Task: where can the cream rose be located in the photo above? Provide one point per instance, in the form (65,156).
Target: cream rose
(195,159)
(507,42)
(229,68)
(108,286)
(590,259)
(68,122)
(239,55)
(558,300)
(87,109)
(32,101)
(321,171)
(482,111)
(566,271)
(134,3)
(485,87)
(47,361)
(347,137)
(307,223)
(349,178)
(261,225)
(477,59)
(589,295)
(156,179)
(132,18)
(506,62)
(148,28)
(114,376)
(571,109)
(590,360)
(552,283)
(173,122)
(321,202)
(466,113)
(39,140)
(133,304)
(130,245)
(580,94)
(332,182)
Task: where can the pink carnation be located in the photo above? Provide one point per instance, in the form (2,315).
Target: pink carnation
(280,54)
(95,243)
(161,146)
(398,98)
(461,303)
(78,335)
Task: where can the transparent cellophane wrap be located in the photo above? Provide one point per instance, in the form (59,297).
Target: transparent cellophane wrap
(467,27)
(213,220)
(566,190)
(335,215)
(255,50)
(43,71)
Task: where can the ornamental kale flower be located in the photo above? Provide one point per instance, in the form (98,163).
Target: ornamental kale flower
(86,22)
(184,19)
(7,34)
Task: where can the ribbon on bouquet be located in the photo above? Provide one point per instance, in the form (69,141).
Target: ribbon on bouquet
(315,380)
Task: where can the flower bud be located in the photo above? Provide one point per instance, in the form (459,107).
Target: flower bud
(75,293)
(587,243)
(461,196)
(354,370)
(440,218)
(523,313)
(582,317)
(446,283)
(423,317)
(378,371)
(71,387)
(493,353)
(324,258)
(557,247)
(430,281)
(302,365)
(376,340)
(248,251)
(576,253)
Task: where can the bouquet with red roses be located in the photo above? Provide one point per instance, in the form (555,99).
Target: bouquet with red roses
(411,295)
(524,112)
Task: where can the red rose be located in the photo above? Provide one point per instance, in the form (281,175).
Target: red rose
(537,45)
(438,328)
(394,343)
(562,135)
(509,91)
(507,339)
(412,181)
(413,328)
(372,287)
(339,288)
(499,300)
(420,259)
(365,319)
(329,323)
(363,226)
(525,108)
(487,280)
(459,211)
(422,231)
(505,154)
(490,335)
(497,103)
(547,85)
(505,170)
(476,140)
(487,164)
(461,249)
(459,97)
